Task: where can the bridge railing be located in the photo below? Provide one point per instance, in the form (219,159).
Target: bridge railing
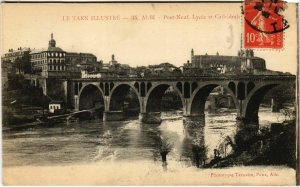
(183,78)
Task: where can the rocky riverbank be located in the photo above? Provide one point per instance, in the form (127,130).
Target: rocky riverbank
(274,146)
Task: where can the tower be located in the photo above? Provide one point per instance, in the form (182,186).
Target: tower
(52,42)
(113,61)
(192,56)
(246,60)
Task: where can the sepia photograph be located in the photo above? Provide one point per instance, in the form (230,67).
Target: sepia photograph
(152,93)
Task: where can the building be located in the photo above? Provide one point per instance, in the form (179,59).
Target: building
(19,60)
(55,106)
(73,71)
(162,68)
(82,58)
(107,70)
(245,61)
(13,55)
(49,62)
(116,68)
(102,73)
(78,62)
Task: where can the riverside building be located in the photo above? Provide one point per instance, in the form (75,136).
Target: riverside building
(49,62)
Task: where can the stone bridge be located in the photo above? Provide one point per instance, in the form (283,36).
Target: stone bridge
(247,92)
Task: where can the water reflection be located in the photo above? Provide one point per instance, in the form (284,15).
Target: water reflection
(193,143)
(194,146)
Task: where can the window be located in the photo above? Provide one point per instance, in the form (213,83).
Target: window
(56,54)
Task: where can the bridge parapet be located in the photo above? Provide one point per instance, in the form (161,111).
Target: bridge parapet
(190,78)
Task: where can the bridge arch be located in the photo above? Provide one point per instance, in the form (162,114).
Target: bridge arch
(200,95)
(155,95)
(253,101)
(118,95)
(90,96)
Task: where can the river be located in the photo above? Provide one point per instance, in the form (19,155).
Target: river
(129,141)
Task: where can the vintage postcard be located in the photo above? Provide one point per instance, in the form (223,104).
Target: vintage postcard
(150,93)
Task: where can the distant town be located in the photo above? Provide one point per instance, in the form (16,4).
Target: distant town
(44,78)
(53,61)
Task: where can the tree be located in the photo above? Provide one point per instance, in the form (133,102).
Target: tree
(288,114)
(26,64)
(23,64)
(18,63)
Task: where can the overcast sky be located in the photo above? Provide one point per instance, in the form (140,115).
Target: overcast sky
(141,42)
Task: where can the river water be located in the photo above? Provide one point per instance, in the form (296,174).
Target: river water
(130,141)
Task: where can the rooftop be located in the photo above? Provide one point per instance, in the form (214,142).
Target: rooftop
(50,49)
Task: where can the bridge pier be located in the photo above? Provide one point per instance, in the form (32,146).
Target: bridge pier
(192,121)
(113,116)
(150,117)
(194,117)
(76,103)
(252,120)
(244,133)
(275,105)
(212,109)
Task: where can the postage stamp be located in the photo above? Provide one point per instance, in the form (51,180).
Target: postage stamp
(264,24)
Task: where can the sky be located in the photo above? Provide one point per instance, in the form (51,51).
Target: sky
(162,33)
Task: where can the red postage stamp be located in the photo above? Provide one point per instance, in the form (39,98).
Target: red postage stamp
(264,24)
